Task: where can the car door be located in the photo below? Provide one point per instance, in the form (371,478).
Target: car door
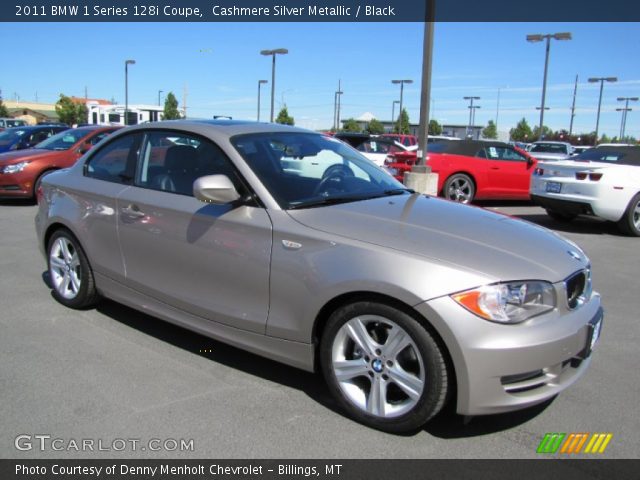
(208,260)
(509,172)
(107,171)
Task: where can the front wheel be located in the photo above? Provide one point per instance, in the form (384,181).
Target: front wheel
(383,367)
(459,188)
(630,221)
(69,272)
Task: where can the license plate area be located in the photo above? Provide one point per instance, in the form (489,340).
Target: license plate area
(553,187)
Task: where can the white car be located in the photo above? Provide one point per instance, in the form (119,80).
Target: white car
(603,182)
(550,150)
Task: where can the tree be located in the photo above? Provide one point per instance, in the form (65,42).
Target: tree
(351,125)
(604,139)
(434,127)
(547,133)
(402,125)
(522,132)
(171,111)
(284,118)
(3,109)
(70,112)
(375,127)
(490,131)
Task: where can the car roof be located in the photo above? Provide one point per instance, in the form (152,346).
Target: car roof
(225,127)
(468,147)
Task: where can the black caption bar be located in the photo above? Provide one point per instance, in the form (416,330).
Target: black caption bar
(325,469)
(317,11)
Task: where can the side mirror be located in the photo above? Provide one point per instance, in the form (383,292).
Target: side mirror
(216,189)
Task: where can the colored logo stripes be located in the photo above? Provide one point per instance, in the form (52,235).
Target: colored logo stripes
(574,443)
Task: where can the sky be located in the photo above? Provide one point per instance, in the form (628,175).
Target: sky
(219,65)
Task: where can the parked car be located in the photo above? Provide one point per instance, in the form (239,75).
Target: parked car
(11,122)
(602,182)
(404,139)
(21,171)
(578,149)
(403,301)
(474,170)
(19,138)
(543,150)
(376,148)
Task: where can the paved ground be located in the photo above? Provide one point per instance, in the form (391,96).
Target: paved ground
(113,373)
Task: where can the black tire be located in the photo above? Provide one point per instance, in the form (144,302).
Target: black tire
(629,224)
(460,188)
(429,371)
(70,274)
(561,217)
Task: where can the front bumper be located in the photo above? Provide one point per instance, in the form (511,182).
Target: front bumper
(15,185)
(500,368)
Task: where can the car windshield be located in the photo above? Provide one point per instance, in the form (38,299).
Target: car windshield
(11,135)
(63,140)
(549,148)
(14,123)
(620,156)
(304,170)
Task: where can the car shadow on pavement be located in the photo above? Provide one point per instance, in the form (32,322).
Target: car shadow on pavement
(446,425)
(590,226)
(17,202)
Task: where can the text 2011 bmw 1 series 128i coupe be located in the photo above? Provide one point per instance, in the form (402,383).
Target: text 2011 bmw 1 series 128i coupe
(291,245)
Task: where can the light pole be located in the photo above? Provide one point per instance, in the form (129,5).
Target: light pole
(601,80)
(472,109)
(159,93)
(538,38)
(540,132)
(393,112)
(273,53)
(623,122)
(497,109)
(336,107)
(260,83)
(126,89)
(401,82)
(573,106)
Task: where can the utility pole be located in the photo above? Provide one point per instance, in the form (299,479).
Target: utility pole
(184,99)
(573,106)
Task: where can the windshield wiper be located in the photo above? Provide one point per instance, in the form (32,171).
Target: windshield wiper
(348,198)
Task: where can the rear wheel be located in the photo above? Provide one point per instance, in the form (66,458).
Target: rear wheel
(459,188)
(630,221)
(69,272)
(384,368)
(560,217)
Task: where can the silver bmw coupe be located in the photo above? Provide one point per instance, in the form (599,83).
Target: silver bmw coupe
(290,244)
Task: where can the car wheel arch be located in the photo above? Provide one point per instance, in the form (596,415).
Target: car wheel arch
(364,296)
(460,172)
(40,176)
(57,226)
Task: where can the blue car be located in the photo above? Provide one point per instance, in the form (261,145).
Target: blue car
(19,138)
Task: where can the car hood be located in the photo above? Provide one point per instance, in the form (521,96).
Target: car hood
(471,238)
(20,155)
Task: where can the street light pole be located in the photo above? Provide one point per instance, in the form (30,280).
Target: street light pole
(159,93)
(339,93)
(393,112)
(573,106)
(126,89)
(601,80)
(472,108)
(260,83)
(401,82)
(623,123)
(273,53)
(538,38)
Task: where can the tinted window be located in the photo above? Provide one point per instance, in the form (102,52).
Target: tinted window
(111,161)
(172,161)
(63,140)
(621,155)
(549,148)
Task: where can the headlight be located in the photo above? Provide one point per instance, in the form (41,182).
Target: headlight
(15,168)
(511,302)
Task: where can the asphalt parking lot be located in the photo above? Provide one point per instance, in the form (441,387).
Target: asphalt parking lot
(114,373)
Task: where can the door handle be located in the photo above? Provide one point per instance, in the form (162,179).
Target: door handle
(133,211)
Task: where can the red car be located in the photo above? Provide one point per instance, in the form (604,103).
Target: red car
(404,139)
(472,169)
(21,171)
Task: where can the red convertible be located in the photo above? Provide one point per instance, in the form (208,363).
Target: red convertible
(473,169)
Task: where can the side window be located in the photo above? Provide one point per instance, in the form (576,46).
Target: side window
(96,138)
(172,161)
(110,162)
(512,155)
(482,153)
